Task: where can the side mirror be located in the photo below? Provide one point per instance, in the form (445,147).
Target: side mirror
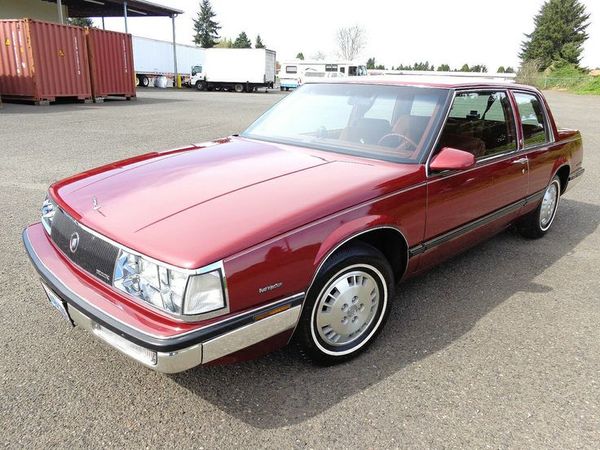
(452,159)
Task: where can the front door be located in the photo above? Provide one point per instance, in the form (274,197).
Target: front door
(465,204)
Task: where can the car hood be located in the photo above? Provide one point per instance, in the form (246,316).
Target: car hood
(193,206)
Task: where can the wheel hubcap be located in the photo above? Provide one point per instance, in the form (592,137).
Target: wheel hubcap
(347,307)
(548,205)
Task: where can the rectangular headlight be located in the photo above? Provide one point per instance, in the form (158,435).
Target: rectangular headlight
(176,292)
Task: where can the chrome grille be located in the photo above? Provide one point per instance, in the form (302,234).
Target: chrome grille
(92,254)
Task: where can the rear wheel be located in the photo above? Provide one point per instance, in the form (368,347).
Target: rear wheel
(347,305)
(143,81)
(239,88)
(537,223)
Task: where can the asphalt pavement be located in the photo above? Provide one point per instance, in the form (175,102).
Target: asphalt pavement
(498,347)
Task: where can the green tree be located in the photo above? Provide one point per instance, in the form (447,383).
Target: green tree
(242,41)
(509,70)
(464,68)
(205,27)
(371,63)
(259,43)
(300,56)
(443,68)
(80,21)
(224,43)
(379,67)
(558,35)
(501,69)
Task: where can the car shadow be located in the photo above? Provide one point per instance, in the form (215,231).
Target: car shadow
(430,313)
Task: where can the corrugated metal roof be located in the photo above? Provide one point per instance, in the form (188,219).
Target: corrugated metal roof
(114,8)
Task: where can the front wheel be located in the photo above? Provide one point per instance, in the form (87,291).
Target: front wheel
(200,85)
(347,306)
(537,223)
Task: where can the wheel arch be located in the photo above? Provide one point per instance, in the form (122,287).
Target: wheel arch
(563,173)
(377,235)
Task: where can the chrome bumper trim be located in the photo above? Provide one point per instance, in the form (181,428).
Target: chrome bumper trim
(184,351)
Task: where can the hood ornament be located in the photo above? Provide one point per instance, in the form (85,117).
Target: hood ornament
(95,205)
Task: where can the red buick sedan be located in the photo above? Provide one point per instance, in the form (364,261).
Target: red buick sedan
(300,227)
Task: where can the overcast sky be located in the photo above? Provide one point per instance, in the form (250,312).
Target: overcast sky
(398,32)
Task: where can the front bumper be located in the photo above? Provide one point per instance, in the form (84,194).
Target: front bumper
(174,351)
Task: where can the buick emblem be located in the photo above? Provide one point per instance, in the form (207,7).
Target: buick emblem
(74,242)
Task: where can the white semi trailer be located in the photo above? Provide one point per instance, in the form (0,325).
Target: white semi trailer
(237,69)
(153,58)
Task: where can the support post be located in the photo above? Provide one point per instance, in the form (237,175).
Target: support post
(103,26)
(177,80)
(60,11)
(125,15)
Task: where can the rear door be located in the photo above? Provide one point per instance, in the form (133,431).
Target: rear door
(483,123)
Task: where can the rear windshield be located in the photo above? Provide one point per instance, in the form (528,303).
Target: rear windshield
(393,123)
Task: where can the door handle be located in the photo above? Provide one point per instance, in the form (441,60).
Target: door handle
(520,161)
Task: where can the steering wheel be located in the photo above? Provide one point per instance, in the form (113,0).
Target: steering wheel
(388,142)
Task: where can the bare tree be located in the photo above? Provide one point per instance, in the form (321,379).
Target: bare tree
(351,42)
(319,56)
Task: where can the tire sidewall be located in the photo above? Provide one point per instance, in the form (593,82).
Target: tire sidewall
(544,230)
(373,327)
(371,262)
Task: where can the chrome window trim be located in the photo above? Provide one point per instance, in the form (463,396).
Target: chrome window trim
(516,150)
(219,265)
(550,138)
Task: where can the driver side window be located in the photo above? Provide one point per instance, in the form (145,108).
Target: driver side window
(480,123)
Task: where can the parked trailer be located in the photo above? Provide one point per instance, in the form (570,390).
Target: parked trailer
(41,61)
(153,58)
(238,69)
(292,73)
(111,64)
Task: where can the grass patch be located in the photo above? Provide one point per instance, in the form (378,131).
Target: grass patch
(564,77)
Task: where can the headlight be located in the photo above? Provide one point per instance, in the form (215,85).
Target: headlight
(48,211)
(169,289)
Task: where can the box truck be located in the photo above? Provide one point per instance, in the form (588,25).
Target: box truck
(153,58)
(237,69)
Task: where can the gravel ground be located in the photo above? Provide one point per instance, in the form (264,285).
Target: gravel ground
(500,347)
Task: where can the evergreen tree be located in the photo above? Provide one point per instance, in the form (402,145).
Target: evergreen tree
(224,43)
(207,29)
(242,41)
(464,68)
(300,56)
(443,68)
(501,69)
(509,70)
(558,35)
(371,63)
(259,42)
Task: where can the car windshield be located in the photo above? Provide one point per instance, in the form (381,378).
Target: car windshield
(392,123)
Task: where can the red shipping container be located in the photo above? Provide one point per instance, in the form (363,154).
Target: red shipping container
(41,61)
(111,63)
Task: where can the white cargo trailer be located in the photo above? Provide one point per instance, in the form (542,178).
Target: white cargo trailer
(238,69)
(152,58)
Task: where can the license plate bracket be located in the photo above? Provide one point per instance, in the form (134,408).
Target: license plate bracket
(58,303)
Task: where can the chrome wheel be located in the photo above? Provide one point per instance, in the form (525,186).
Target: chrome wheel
(346,309)
(549,205)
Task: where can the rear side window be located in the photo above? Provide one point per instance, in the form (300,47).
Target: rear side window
(480,123)
(535,128)
(291,69)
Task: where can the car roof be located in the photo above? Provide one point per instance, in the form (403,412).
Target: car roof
(444,82)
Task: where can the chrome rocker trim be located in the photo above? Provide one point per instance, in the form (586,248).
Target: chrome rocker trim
(183,351)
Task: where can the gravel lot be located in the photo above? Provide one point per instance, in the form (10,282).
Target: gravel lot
(500,347)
